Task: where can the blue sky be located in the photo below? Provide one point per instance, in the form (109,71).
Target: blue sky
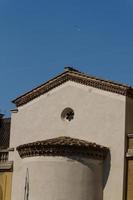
(39,38)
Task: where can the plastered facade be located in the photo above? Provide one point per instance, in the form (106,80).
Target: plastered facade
(99,116)
(60,178)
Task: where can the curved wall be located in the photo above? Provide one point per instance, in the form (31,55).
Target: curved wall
(61,178)
(99,117)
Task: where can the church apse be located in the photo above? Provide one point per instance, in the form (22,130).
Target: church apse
(64,168)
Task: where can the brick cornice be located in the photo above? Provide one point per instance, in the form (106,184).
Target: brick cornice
(77,77)
(63,146)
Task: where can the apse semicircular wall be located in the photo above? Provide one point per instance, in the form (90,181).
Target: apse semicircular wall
(63,168)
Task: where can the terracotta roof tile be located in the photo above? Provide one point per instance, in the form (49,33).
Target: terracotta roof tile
(62,146)
(71,74)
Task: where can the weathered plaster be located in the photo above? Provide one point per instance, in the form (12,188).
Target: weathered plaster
(99,117)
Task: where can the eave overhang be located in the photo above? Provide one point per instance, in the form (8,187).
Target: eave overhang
(63,146)
(78,77)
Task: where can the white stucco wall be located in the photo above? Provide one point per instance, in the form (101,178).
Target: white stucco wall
(58,178)
(99,117)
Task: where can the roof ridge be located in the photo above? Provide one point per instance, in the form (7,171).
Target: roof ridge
(72,74)
(99,78)
(68,68)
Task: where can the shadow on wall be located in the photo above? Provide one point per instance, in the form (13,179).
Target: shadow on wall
(86,162)
(106,169)
(26,189)
(106,165)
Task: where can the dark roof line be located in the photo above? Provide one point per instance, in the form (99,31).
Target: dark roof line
(63,146)
(76,76)
(98,78)
(14,101)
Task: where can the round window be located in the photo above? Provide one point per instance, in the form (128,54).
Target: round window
(67,114)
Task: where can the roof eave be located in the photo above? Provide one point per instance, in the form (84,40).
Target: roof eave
(76,77)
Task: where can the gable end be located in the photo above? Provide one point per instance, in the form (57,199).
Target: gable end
(77,77)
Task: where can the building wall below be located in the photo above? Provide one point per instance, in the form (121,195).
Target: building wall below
(5,185)
(99,117)
(59,178)
(130,180)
